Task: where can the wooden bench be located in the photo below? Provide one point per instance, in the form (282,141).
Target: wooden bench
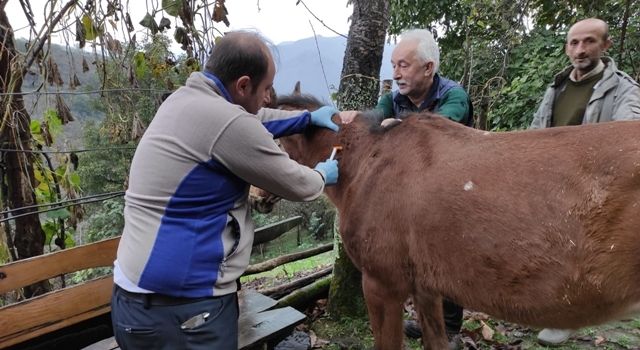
(43,321)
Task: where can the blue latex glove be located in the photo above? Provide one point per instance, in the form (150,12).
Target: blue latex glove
(322,117)
(329,171)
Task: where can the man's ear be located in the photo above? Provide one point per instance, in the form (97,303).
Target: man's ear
(242,86)
(429,69)
(607,44)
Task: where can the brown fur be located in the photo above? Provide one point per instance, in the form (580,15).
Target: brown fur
(534,227)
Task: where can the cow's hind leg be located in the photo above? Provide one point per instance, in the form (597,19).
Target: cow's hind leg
(385,313)
(429,307)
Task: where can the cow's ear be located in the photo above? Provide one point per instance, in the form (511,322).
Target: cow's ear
(296,89)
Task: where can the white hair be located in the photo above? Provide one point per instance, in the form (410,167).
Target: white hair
(427,47)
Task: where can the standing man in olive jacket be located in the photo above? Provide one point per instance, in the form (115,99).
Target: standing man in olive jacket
(591,90)
(188,229)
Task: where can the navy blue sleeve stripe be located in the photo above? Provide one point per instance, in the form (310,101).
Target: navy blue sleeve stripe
(289,126)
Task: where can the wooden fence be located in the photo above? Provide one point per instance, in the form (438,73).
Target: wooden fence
(48,320)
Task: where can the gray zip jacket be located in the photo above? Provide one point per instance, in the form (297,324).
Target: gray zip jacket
(188,229)
(615,97)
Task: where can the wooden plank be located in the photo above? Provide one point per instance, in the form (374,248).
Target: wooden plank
(253,302)
(28,271)
(258,328)
(54,310)
(30,334)
(270,232)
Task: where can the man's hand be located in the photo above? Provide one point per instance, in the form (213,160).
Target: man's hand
(322,117)
(329,171)
(348,116)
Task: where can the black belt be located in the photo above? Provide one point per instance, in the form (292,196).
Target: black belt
(156,299)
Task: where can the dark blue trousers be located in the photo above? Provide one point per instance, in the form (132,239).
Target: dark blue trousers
(162,322)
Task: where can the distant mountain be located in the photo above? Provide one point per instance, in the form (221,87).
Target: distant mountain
(296,61)
(69,62)
(301,61)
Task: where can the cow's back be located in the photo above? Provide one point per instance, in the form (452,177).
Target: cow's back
(538,227)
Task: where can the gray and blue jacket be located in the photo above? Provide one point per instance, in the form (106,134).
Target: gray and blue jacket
(188,228)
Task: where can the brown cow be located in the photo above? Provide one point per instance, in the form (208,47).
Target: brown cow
(535,227)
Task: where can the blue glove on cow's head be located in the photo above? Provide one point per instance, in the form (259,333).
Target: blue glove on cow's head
(322,117)
(329,171)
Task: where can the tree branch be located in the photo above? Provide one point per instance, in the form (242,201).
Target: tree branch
(623,32)
(41,40)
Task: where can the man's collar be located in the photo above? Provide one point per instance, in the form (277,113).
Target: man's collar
(434,95)
(219,85)
(595,71)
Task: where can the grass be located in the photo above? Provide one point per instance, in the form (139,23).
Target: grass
(287,244)
(355,334)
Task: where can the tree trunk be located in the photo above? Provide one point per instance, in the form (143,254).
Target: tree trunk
(360,79)
(29,238)
(359,90)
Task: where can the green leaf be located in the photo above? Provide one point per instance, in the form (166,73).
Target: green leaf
(59,214)
(140,63)
(149,23)
(35,127)
(68,241)
(53,122)
(172,7)
(74,179)
(50,229)
(90,31)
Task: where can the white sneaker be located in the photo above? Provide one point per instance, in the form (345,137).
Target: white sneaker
(552,337)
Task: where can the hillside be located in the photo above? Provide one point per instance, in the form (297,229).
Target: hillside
(70,63)
(299,60)
(296,61)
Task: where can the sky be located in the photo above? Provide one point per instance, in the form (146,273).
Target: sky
(278,20)
(282,20)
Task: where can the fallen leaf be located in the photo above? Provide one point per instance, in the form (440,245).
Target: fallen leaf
(599,340)
(487,332)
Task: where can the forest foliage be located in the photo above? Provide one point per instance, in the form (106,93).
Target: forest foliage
(506,52)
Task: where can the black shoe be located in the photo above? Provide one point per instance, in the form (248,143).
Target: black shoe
(412,329)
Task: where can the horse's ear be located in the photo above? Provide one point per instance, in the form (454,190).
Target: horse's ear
(296,90)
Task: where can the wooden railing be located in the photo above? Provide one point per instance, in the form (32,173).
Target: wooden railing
(58,309)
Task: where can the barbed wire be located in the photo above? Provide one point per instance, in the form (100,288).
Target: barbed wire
(89,92)
(77,201)
(67,152)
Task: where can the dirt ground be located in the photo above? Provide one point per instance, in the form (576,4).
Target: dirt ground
(479,333)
